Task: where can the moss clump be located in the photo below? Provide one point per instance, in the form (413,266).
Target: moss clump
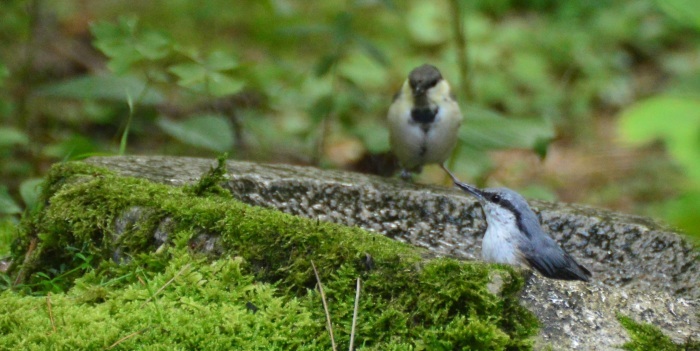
(407,302)
(204,308)
(646,337)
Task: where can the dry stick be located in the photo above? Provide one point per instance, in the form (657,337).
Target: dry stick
(126,338)
(48,305)
(27,257)
(354,314)
(325,306)
(168,283)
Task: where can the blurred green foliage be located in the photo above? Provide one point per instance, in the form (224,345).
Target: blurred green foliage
(674,119)
(307,82)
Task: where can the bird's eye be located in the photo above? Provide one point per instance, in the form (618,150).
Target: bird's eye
(496,198)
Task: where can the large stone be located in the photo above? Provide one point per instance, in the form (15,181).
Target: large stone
(640,269)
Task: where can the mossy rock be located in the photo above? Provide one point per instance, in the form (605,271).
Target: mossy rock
(118,282)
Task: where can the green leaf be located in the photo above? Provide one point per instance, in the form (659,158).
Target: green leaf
(363,71)
(7,204)
(322,107)
(125,45)
(673,120)
(486,130)
(472,163)
(687,12)
(212,132)
(661,117)
(30,190)
(189,73)
(373,51)
(75,148)
(683,212)
(325,63)
(107,87)
(220,84)
(221,61)
(110,38)
(209,76)
(153,45)
(374,136)
(10,137)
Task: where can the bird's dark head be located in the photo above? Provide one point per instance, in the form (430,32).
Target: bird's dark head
(423,78)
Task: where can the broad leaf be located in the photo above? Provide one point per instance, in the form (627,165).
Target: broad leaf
(485,130)
(209,76)
(108,87)
(363,71)
(11,137)
(30,190)
(686,12)
(673,120)
(683,212)
(212,132)
(7,204)
(374,136)
(125,45)
(75,148)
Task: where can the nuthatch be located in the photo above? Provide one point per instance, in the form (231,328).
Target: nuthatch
(423,120)
(514,235)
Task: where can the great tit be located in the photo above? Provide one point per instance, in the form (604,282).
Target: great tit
(423,120)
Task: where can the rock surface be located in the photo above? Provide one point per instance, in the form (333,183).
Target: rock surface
(640,269)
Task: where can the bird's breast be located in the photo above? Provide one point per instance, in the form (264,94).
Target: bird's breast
(500,245)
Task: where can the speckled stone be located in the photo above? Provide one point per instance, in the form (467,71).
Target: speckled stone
(640,268)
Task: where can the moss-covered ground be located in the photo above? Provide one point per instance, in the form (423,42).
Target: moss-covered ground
(258,292)
(646,337)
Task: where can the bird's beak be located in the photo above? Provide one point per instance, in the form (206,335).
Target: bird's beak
(418,91)
(474,191)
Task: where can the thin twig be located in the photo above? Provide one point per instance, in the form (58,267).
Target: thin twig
(126,338)
(168,283)
(27,257)
(48,305)
(354,315)
(325,307)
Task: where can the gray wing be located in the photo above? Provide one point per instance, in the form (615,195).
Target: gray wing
(545,255)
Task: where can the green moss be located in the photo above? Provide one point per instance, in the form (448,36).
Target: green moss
(646,337)
(407,302)
(7,234)
(210,183)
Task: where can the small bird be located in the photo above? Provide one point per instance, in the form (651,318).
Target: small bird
(423,120)
(514,235)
